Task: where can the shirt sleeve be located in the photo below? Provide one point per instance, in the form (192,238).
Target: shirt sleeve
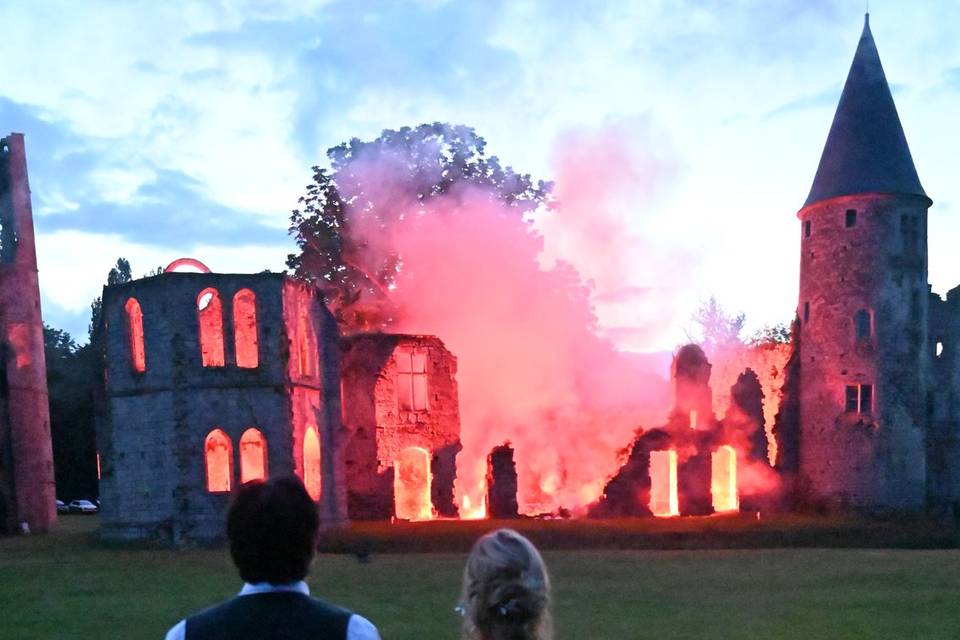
(358,628)
(179,631)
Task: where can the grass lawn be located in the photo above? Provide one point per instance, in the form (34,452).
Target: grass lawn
(64,586)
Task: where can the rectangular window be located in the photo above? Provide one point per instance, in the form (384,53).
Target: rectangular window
(412,379)
(862,322)
(806,229)
(859,398)
(866,398)
(852,397)
(806,312)
(851,218)
(910,233)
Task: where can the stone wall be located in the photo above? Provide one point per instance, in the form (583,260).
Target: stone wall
(379,428)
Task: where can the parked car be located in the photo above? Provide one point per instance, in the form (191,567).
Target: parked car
(62,507)
(82,506)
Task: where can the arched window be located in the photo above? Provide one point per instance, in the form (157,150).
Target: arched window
(210,315)
(253,456)
(218,451)
(863,325)
(306,346)
(138,356)
(723,485)
(311,463)
(411,485)
(245,329)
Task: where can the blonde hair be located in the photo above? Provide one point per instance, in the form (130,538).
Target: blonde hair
(506,590)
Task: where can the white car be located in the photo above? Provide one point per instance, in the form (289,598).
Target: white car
(62,507)
(82,506)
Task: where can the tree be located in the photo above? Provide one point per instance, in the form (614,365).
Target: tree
(118,274)
(771,334)
(715,329)
(370,187)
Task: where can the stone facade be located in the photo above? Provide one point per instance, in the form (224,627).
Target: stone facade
(169,422)
(27,492)
(399,392)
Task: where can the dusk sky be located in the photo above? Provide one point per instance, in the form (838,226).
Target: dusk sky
(161,130)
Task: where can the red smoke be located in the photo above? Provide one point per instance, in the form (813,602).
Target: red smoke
(532,369)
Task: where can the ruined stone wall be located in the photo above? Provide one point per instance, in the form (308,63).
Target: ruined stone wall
(860,459)
(943,432)
(26,437)
(379,429)
(151,434)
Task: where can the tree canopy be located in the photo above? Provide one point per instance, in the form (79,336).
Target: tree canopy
(371,186)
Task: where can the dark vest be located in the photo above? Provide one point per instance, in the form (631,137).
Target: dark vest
(281,615)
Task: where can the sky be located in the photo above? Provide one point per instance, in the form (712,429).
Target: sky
(161,130)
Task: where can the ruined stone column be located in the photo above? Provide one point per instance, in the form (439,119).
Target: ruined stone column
(26,374)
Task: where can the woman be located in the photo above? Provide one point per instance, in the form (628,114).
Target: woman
(506,590)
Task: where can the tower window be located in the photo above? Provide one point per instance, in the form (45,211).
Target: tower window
(138,357)
(806,229)
(851,218)
(245,329)
(859,398)
(863,324)
(806,312)
(910,233)
(210,316)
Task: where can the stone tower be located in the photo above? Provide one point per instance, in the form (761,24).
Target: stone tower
(863,306)
(27,492)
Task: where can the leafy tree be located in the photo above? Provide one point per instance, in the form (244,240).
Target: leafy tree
(771,334)
(118,274)
(372,186)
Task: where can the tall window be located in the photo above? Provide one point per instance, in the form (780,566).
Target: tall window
(245,329)
(138,356)
(411,485)
(210,315)
(412,379)
(218,451)
(863,324)
(910,234)
(723,483)
(311,463)
(306,346)
(253,456)
(806,312)
(663,484)
(806,228)
(851,218)
(859,398)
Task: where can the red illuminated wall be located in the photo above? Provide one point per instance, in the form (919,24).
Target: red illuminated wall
(245,329)
(138,357)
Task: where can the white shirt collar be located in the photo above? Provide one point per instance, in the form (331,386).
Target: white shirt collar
(265,587)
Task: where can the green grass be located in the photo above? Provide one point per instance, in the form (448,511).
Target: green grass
(64,585)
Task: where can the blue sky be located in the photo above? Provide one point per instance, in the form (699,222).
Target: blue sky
(160,130)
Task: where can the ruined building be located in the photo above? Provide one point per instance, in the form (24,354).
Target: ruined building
(27,493)
(215,379)
(876,393)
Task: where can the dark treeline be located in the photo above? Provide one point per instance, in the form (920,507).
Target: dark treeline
(73,372)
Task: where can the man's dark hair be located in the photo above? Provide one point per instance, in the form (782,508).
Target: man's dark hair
(272,527)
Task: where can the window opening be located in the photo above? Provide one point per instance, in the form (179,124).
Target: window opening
(245,329)
(806,229)
(311,463)
(253,456)
(939,350)
(412,379)
(723,485)
(411,485)
(859,398)
(306,347)
(138,356)
(862,323)
(219,457)
(806,312)
(663,484)
(210,316)
(851,219)
(910,233)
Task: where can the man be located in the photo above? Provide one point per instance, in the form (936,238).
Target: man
(272,527)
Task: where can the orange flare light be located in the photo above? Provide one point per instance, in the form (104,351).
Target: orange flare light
(663,484)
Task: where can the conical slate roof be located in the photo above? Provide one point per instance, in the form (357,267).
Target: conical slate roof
(866,150)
